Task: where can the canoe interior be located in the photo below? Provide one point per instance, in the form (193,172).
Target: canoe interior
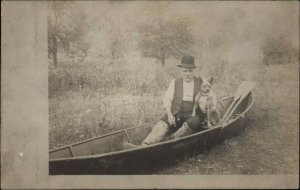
(115,141)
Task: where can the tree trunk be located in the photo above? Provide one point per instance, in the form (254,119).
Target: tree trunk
(55,52)
(113,55)
(163,59)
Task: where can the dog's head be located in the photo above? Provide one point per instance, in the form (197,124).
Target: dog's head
(206,85)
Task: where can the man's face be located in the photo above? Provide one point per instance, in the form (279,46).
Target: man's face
(187,74)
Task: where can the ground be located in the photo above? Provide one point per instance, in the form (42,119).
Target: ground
(268,145)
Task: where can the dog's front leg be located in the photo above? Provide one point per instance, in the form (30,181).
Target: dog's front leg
(208,118)
(194,109)
(196,104)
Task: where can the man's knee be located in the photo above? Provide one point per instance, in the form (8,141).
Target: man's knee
(194,122)
(161,127)
(159,130)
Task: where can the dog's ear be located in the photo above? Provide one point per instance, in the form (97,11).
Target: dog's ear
(211,79)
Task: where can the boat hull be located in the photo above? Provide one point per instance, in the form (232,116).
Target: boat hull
(137,160)
(143,160)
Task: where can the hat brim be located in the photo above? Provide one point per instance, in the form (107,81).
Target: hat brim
(187,66)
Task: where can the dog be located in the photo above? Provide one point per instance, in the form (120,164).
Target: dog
(206,100)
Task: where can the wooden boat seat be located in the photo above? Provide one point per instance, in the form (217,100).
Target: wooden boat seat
(127,145)
(122,143)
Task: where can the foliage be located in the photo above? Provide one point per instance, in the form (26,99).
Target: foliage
(163,39)
(278,49)
(136,76)
(67,26)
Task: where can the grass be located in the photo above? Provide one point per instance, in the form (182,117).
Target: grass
(74,118)
(89,99)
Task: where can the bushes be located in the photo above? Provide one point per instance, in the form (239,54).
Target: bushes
(279,50)
(141,76)
(133,77)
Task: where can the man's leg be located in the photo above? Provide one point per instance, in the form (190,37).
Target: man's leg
(191,126)
(195,122)
(158,132)
(183,131)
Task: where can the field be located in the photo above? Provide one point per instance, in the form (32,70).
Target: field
(109,70)
(86,100)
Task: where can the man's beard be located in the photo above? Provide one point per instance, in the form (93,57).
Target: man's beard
(188,79)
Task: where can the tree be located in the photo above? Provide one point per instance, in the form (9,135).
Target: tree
(115,49)
(277,49)
(67,26)
(165,39)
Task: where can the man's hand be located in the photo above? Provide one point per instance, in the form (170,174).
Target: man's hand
(209,124)
(203,110)
(171,119)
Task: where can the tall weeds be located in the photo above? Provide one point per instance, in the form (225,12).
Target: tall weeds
(88,99)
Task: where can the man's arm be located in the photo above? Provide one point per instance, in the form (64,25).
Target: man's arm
(167,104)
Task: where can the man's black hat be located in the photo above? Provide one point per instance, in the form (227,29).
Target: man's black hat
(187,61)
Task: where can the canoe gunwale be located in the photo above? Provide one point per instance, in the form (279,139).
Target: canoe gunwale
(109,154)
(109,134)
(134,149)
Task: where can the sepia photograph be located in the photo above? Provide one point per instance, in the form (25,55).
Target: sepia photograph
(149,94)
(170,87)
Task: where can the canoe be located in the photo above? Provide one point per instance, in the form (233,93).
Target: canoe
(109,154)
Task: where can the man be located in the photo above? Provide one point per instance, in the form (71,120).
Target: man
(178,105)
